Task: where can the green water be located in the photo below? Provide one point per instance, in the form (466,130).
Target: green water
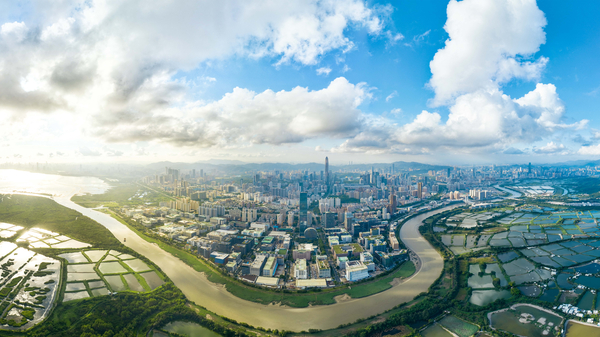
(589,281)
(509,321)
(111,268)
(586,301)
(484,297)
(435,331)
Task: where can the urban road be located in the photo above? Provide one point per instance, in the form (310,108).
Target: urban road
(217,299)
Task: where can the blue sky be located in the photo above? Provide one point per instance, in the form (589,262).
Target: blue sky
(296,81)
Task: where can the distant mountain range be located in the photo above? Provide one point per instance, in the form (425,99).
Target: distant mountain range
(574,163)
(239,167)
(236,166)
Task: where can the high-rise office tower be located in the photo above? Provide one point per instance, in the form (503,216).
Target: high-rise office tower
(303,207)
(420,190)
(327,171)
(393,203)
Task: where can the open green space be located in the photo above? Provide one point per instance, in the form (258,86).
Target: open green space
(589,185)
(576,330)
(30,211)
(123,315)
(122,194)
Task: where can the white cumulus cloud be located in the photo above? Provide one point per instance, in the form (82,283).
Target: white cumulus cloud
(487,39)
(591,150)
(550,148)
(323,71)
(243,117)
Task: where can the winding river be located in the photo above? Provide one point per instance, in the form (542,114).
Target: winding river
(216,298)
(513,194)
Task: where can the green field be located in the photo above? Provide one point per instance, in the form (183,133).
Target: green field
(589,185)
(121,195)
(30,211)
(125,314)
(458,326)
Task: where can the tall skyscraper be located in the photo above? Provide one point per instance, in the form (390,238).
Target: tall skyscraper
(420,190)
(393,203)
(529,169)
(303,207)
(327,171)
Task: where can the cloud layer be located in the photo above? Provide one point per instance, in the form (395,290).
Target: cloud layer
(111,67)
(488,40)
(490,43)
(243,117)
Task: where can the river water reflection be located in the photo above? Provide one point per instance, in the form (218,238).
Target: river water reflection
(39,183)
(214,297)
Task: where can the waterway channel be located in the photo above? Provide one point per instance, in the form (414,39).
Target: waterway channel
(216,298)
(513,194)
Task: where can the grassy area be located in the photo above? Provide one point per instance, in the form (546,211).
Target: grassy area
(30,211)
(122,315)
(266,296)
(121,195)
(125,314)
(589,185)
(383,283)
(347,200)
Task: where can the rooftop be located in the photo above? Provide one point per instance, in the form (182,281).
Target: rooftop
(267,281)
(308,283)
(301,264)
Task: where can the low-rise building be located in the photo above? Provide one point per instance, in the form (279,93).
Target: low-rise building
(300,269)
(255,233)
(367,259)
(333,241)
(298,254)
(311,283)
(257,265)
(231,266)
(347,238)
(268,281)
(351,249)
(270,267)
(220,258)
(323,269)
(356,270)
(341,262)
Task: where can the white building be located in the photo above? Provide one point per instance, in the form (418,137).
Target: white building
(270,267)
(356,270)
(300,270)
(260,225)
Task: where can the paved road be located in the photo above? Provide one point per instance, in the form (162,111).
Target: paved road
(214,297)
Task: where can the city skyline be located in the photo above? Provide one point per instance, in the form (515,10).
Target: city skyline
(362,82)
